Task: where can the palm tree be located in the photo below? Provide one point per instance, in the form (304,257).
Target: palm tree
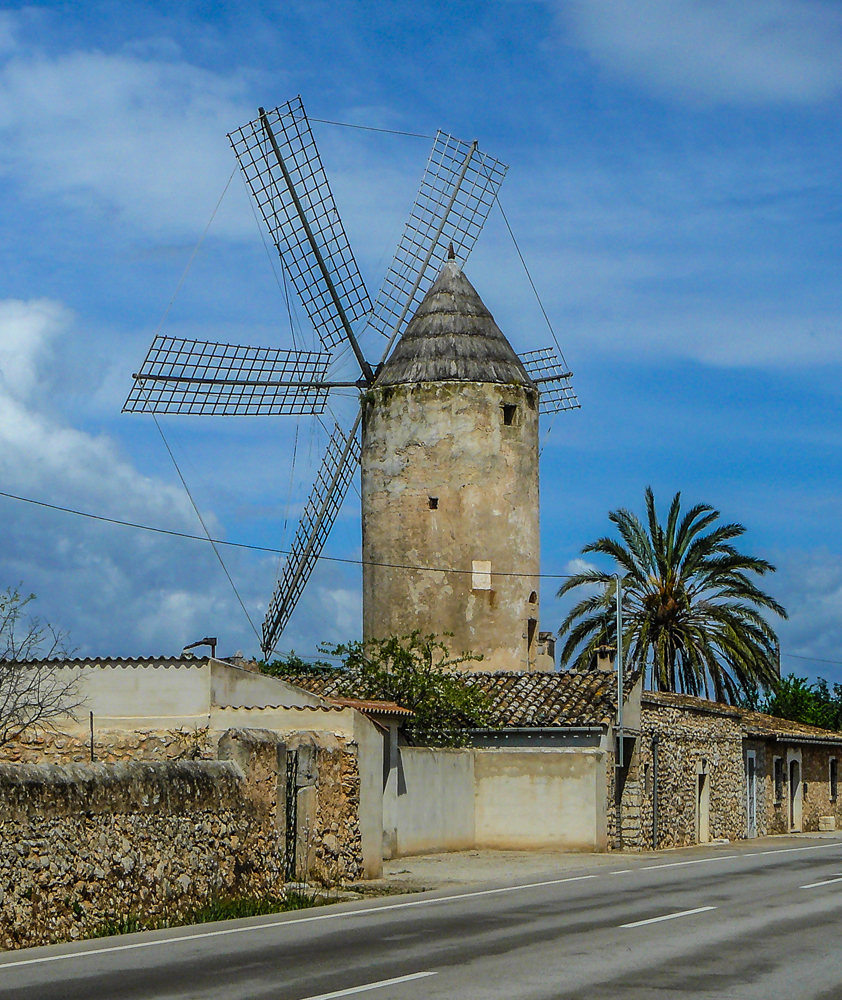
(690,612)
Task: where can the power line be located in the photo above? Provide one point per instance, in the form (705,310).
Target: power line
(266,548)
(814,659)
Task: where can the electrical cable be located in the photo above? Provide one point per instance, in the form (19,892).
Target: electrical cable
(814,659)
(266,548)
(531,282)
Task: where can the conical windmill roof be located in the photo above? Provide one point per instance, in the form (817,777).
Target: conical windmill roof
(453,338)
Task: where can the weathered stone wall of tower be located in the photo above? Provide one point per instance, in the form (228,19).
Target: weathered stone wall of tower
(450,481)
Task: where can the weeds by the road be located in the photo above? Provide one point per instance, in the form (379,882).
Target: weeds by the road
(219,908)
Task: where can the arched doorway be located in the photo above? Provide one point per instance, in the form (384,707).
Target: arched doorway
(795,795)
(702,802)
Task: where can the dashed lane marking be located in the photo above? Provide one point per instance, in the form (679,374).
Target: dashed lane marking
(827,881)
(354,990)
(669,916)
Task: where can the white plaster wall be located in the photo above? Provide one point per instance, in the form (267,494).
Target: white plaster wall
(125,696)
(543,798)
(169,697)
(370,762)
(235,687)
(428,802)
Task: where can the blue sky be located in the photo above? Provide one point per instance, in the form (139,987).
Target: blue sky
(674,185)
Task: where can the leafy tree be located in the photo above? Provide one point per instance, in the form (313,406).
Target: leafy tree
(813,704)
(291,663)
(33,691)
(417,672)
(691,615)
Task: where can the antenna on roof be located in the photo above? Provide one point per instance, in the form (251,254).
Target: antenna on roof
(209,640)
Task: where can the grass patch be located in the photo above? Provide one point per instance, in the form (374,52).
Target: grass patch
(218,908)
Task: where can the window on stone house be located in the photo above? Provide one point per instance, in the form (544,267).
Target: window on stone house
(834,779)
(509,413)
(779,779)
(647,779)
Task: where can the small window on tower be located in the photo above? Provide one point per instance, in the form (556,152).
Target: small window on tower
(434,503)
(533,598)
(509,411)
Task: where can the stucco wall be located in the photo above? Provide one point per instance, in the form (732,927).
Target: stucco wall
(448,441)
(531,799)
(158,696)
(428,802)
(161,696)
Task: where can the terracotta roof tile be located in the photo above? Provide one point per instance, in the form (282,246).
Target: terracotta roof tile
(753,723)
(518,699)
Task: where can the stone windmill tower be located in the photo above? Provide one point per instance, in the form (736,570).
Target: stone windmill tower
(450,482)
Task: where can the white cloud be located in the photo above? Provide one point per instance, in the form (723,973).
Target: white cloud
(119,590)
(145,139)
(809,585)
(751,52)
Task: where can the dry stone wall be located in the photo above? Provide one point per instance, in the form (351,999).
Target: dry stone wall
(329,839)
(110,746)
(85,845)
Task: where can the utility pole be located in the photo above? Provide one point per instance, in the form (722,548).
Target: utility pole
(620,754)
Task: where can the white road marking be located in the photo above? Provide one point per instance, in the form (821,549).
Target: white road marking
(669,916)
(827,881)
(371,986)
(622,871)
(790,850)
(697,861)
(272,924)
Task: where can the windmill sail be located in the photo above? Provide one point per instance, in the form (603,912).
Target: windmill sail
(553,380)
(283,170)
(457,191)
(334,478)
(193,376)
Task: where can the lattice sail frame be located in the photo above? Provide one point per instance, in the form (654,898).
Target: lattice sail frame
(193,376)
(439,218)
(341,459)
(265,179)
(556,392)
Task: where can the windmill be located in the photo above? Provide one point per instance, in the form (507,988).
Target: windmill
(282,167)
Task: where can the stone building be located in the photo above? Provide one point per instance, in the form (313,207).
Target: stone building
(450,482)
(705,771)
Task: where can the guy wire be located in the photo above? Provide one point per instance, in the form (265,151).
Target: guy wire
(205,528)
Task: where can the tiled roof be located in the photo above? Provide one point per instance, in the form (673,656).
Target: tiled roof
(521,700)
(753,723)
(369,706)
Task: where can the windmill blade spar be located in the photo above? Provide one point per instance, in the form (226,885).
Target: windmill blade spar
(283,170)
(341,459)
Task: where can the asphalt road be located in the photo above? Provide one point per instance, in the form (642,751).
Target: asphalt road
(760,920)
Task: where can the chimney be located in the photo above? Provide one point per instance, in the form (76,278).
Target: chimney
(605,658)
